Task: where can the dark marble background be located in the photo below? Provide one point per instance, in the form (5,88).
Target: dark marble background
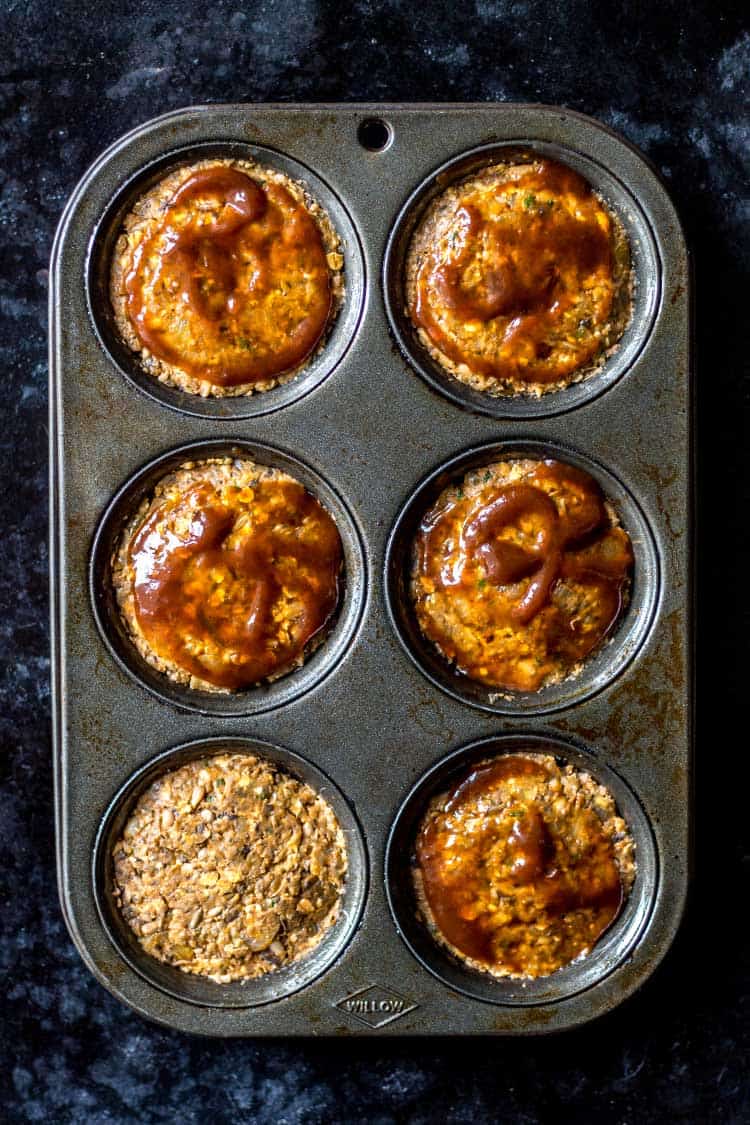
(673,78)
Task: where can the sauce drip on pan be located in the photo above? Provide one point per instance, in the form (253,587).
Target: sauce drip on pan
(502,562)
(233,285)
(510,883)
(519,276)
(234,593)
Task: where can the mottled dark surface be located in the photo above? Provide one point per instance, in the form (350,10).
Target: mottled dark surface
(673,80)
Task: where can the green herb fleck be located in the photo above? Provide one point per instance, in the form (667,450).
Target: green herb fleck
(487,476)
(243,342)
(481,583)
(529,201)
(220,782)
(459,493)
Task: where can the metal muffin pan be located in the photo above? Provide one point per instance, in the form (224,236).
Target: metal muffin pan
(371,432)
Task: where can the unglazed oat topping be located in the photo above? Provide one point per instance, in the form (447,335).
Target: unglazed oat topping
(229,868)
(518,279)
(519,572)
(523,865)
(226,278)
(228,575)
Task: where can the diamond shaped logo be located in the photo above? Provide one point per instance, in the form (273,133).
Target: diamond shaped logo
(375,1005)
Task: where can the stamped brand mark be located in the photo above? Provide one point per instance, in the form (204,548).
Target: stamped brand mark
(375,1006)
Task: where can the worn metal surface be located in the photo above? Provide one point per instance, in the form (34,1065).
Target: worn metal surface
(373,428)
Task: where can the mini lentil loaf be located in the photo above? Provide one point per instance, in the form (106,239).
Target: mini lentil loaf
(522,866)
(519,572)
(229,868)
(226,279)
(519,279)
(228,575)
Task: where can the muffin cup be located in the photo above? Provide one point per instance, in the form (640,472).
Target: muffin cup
(603,665)
(318,367)
(646,277)
(188,986)
(318,663)
(613,946)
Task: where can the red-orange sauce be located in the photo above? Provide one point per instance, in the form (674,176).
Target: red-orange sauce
(232,604)
(232,285)
(512,880)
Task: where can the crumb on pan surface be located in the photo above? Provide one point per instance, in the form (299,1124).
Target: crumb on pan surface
(519,572)
(522,866)
(229,868)
(228,575)
(519,279)
(226,278)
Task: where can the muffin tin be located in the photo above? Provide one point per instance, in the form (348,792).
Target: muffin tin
(373,720)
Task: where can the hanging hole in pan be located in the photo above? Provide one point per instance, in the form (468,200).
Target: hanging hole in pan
(375,134)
